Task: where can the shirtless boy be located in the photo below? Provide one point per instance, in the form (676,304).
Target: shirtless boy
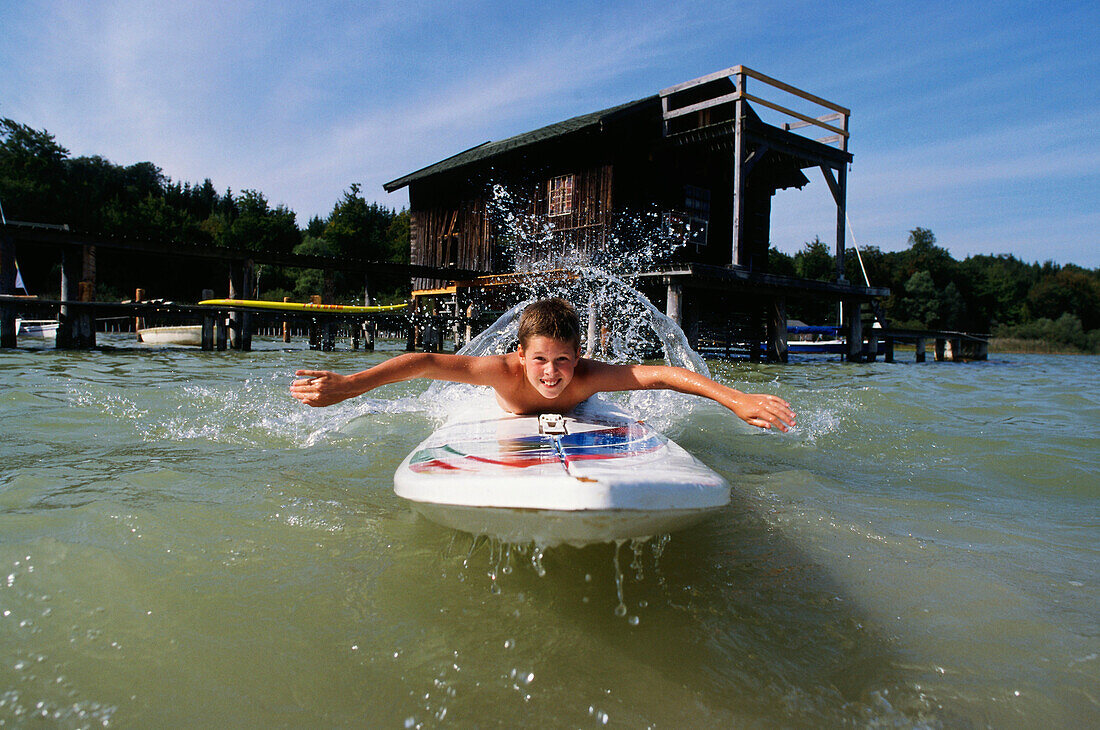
(546,374)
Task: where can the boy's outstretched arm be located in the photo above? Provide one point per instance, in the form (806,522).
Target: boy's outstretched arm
(324,388)
(760,410)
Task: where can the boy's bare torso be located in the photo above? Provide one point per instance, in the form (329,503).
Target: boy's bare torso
(515,393)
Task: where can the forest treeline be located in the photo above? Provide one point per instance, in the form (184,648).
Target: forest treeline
(997,294)
(41,182)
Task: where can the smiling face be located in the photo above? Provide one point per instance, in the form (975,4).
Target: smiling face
(549,364)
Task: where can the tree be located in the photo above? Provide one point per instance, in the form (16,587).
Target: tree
(815,262)
(32,172)
(1071,290)
(258,227)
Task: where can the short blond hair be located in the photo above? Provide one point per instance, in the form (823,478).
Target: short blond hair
(554,318)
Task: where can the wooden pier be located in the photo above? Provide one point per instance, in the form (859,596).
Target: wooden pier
(224,327)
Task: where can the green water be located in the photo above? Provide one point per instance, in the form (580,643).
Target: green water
(183,545)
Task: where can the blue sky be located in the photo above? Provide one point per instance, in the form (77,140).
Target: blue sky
(980,121)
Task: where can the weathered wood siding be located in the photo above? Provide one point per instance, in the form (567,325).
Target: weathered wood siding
(447,236)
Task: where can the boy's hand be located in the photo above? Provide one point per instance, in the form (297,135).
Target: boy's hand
(764,411)
(320,387)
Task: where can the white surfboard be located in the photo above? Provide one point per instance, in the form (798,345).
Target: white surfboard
(594,475)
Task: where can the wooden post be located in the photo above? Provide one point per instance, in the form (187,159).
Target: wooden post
(8,331)
(888,353)
(777,331)
(67,329)
(370,331)
(139,321)
(221,336)
(236,291)
(921,344)
(954,350)
(939,349)
(674,303)
(737,255)
(870,352)
(207,343)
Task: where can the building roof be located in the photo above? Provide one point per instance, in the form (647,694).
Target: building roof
(488,150)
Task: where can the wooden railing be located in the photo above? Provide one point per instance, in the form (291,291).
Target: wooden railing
(834,120)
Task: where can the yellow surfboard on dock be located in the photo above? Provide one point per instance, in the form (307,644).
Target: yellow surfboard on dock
(296,307)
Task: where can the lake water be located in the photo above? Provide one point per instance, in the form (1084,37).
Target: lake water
(182,544)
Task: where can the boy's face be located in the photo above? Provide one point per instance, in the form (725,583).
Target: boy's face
(549,364)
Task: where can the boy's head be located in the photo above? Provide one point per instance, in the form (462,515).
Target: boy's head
(549,345)
(554,318)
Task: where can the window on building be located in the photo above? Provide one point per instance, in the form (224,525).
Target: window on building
(560,195)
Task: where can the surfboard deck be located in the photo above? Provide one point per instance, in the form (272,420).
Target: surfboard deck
(603,476)
(298,307)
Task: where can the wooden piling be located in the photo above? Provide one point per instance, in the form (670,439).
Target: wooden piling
(777,331)
(674,301)
(139,321)
(241,284)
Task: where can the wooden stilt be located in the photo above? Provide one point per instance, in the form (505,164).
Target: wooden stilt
(674,303)
(777,331)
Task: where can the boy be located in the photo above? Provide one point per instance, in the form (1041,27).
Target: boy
(546,374)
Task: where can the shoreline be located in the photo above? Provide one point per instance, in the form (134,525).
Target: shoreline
(1017,346)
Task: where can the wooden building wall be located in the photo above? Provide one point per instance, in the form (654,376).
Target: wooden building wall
(628,170)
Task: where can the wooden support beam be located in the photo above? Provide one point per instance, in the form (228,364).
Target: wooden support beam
(207,341)
(840,195)
(888,353)
(754,157)
(777,330)
(674,303)
(737,256)
(221,336)
(921,344)
(68,329)
(370,331)
(241,285)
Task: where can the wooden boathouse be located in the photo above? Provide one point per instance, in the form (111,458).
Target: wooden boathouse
(701,153)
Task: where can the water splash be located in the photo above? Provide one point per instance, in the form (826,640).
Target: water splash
(619,324)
